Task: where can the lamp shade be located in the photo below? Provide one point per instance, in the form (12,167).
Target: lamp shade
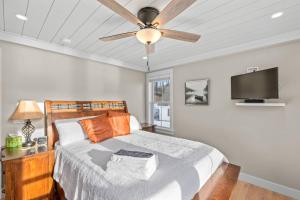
(27,109)
(148,35)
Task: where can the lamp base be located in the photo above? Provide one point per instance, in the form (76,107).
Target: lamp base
(28,144)
(27,130)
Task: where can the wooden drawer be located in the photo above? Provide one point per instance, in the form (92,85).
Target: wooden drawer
(29,177)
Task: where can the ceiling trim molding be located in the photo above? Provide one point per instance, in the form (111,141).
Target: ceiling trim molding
(28,41)
(279,39)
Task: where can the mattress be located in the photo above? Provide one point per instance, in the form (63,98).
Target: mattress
(184,167)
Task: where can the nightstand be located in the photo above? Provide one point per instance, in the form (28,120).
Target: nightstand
(28,173)
(148,127)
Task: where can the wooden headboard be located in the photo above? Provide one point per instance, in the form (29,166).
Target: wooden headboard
(55,110)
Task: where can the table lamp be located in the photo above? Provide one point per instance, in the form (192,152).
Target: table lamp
(26,111)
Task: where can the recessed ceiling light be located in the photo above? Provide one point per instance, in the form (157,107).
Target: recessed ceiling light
(276,15)
(21,17)
(145,57)
(66,40)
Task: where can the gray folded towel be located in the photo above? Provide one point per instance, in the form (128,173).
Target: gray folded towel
(137,154)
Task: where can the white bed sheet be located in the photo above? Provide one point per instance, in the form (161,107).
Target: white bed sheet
(184,167)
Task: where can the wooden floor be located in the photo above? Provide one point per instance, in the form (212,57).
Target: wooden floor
(246,191)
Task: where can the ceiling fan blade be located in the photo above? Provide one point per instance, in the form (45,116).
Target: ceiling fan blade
(120,10)
(118,36)
(179,35)
(150,48)
(174,8)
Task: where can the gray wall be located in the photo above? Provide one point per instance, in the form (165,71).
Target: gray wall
(30,73)
(264,141)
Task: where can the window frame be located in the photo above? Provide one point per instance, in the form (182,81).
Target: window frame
(153,102)
(155,76)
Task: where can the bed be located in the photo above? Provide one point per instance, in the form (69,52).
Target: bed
(187,169)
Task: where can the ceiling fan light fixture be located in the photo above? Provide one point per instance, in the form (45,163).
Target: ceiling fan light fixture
(148,35)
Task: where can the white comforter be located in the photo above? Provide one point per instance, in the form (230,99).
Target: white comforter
(184,167)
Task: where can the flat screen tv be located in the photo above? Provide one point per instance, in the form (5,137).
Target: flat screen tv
(255,86)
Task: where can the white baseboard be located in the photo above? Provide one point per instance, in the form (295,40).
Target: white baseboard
(291,192)
(165,131)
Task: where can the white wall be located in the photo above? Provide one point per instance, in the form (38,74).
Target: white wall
(264,141)
(30,73)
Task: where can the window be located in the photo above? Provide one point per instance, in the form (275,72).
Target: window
(161,103)
(159,99)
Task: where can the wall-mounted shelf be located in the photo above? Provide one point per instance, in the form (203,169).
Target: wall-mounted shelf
(261,104)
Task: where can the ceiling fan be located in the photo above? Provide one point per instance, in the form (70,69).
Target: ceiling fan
(150,21)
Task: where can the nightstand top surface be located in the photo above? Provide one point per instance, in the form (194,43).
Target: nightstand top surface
(15,153)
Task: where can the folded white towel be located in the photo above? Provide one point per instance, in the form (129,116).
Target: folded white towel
(136,167)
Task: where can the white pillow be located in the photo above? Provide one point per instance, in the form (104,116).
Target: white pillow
(134,124)
(70,130)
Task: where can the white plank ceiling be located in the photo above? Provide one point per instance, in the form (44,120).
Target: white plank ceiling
(222,24)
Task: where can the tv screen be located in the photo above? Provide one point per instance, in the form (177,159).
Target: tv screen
(256,85)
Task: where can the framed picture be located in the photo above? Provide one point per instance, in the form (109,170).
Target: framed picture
(196,92)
